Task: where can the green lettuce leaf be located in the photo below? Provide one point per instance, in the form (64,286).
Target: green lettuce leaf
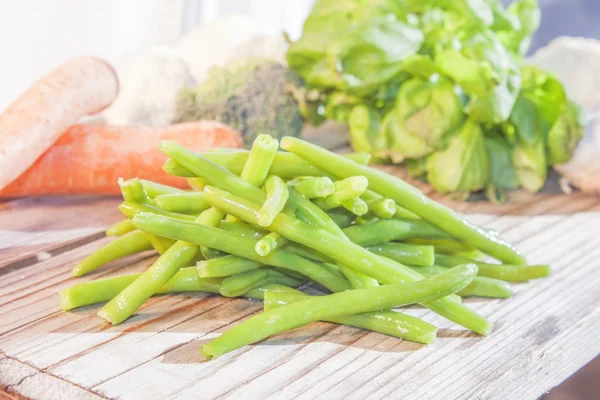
(565,134)
(464,166)
(530,164)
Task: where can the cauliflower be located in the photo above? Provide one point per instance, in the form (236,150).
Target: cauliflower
(148,89)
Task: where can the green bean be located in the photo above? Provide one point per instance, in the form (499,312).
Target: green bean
(238,284)
(449,247)
(370,195)
(154,189)
(133,191)
(356,206)
(241,247)
(285,165)
(345,189)
(388,230)
(130,209)
(277,195)
(341,218)
(103,290)
(285,277)
(120,228)
(345,253)
(480,286)
(334,269)
(178,256)
(320,186)
(242,229)
(391,323)
(183,202)
(160,244)
(408,254)
(366,219)
(506,272)
(209,253)
(259,160)
(350,302)
(269,243)
(310,213)
(406,196)
(196,183)
(307,252)
(225,266)
(487,287)
(259,292)
(357,279)
(382,208)
(130,243)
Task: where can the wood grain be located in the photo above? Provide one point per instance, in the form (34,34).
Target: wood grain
(542,335)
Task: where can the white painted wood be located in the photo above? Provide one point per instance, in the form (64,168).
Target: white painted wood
(543,334)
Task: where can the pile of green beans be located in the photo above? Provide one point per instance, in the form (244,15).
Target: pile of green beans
(264,223)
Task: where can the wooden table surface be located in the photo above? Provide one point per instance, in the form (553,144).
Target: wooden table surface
(547,331)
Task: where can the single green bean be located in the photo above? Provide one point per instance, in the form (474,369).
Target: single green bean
(310,213)
(238,284)
(120,228)
(406,196)
(388,322)
(259,292)
(285,277)
(449,247)
(103,290)
(388,230)
(244,230)
(350,302)
(341,218)
(241,247)
(259,160)
(356,206)
(178,256)
(183,202)
(269,243)
(130,209)
(366,219)
(382,208)
(154,189)
(357,279)
(196,183)
(480,286)
(307,252)
(225,266)
(407,254)
(285,165)
(277,195)
(506,272)
(345,253)
(130,243)
(345,189)
(133,191)
(160,244)
(209,253)
(319,186)
(370,195)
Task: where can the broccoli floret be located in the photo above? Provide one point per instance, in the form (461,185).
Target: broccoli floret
(252,97)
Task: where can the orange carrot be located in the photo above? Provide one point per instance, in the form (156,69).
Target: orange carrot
(89,159)
(30,125)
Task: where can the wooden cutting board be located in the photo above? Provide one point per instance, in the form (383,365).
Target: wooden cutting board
(547,331)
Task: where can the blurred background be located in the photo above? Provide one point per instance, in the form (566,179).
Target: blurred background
(39,35)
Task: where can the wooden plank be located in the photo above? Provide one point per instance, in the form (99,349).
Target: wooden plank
(36,228)
(542,335)
(24,381)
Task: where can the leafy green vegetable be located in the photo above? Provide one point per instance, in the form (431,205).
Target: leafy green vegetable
(530,165)
(426,114)
(462,167)
(565,134)
(406,75)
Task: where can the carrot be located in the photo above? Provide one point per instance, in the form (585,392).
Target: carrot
(89,159)
(30,125)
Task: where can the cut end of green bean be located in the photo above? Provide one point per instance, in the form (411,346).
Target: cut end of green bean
(356,206)
(264,247)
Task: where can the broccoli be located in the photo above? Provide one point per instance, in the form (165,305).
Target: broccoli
(252,97)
